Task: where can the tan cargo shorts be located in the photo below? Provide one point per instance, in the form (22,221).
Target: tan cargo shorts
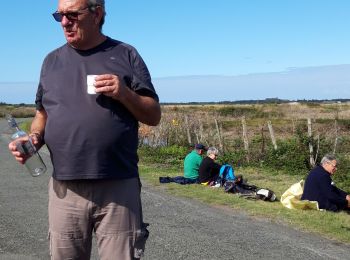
(109,208)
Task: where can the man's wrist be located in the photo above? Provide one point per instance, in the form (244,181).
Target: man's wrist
(36,136)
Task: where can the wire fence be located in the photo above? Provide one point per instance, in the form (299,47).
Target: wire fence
(256,134)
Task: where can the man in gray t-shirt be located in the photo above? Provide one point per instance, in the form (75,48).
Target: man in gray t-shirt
(93,138)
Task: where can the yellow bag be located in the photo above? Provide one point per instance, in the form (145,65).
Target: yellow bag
(291,198)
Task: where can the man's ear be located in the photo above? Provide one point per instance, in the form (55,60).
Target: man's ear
(98,11)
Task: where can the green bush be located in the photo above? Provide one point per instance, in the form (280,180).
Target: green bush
(234,111)
(248,111)
(235,158)
(345,123)
(166,155)
(341,177)
(291,156)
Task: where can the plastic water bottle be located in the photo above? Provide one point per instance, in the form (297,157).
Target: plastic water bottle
(34,163)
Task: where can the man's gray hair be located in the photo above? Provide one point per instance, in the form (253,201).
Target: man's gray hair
(212,150)
(92,4)
(96,2)
(328,158)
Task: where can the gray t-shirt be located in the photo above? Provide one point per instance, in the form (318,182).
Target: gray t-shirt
(91,136)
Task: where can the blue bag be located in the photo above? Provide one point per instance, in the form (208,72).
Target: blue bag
(226,173)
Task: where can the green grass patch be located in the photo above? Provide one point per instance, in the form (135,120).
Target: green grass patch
(25,126)
(328,224)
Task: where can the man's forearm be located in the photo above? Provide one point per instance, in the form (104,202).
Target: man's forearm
(37,128)
(144,109)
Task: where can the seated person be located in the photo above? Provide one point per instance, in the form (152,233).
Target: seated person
(209,170)
(318,186)
(192,162)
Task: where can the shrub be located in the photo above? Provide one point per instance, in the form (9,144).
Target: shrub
(341,177)
(235,158)
(167,155)
(291,156)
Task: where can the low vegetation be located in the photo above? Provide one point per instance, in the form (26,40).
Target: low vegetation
(19,111)
(331,225)
(302,131)
(252,153)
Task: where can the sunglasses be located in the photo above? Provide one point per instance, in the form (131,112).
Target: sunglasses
(334,165)
(71,16)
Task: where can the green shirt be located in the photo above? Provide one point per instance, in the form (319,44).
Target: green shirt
(191,165)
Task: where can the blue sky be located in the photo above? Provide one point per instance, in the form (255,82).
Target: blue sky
(235,49)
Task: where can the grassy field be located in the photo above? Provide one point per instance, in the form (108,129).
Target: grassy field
(285,118)
(244,134)
(180,123)
(328,224)
(18,111)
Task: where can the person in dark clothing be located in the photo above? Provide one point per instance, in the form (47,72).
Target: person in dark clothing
(209,169)
(94,191)
(318,186)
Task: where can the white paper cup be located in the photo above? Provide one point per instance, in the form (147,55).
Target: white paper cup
(90,80)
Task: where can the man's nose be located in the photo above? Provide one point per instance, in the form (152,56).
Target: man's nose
(65,21)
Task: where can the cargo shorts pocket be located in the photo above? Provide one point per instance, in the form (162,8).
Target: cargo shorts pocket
(50,242)
(140,241)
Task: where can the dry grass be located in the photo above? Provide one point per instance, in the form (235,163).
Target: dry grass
(17,111)
(328,120)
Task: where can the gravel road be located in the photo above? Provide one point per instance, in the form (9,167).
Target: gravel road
(180,228)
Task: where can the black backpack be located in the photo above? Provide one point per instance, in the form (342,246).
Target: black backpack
(249,191)
(239,186)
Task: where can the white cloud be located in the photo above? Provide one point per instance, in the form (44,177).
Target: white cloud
(325,82)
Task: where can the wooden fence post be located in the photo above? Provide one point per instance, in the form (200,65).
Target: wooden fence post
(318,148)
(311,148)
(262,139)
(219,135)
(188,130)
(293,126)
(272,134)
(197,138)
(245,137)
(336,136)
(199,133)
